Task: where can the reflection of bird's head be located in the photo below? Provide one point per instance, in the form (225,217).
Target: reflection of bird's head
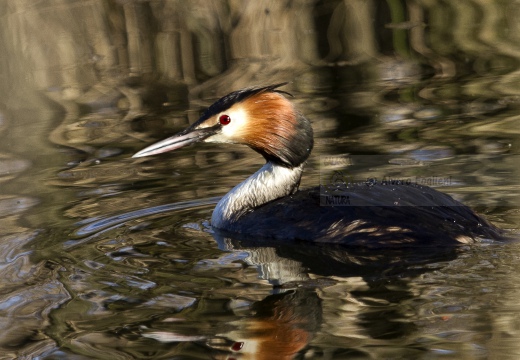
(281,326)
(260,117)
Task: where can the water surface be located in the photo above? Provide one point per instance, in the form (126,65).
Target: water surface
(108,257)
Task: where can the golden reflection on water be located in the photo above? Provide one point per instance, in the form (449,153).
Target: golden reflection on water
(84,84)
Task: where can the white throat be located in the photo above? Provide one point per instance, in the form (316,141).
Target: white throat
(269,183)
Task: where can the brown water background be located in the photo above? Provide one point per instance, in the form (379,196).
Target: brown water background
(107,257)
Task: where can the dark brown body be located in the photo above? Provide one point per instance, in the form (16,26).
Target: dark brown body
(375,216)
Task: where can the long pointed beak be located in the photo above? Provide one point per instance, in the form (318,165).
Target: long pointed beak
(182,139)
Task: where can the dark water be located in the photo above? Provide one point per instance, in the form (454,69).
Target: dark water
(107,257)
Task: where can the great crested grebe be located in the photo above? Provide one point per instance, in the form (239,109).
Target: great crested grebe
(269,205)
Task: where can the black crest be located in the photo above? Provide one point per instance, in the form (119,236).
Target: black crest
(235,97)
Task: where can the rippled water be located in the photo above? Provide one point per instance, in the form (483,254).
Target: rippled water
(107,257)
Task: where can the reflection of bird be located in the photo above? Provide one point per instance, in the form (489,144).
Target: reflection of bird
(279,327)
(268,205)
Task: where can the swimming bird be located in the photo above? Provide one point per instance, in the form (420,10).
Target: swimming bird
(268,204)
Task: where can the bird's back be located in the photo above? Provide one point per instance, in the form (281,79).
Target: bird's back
(375,215)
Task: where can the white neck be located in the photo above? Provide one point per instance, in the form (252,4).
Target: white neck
(269,183)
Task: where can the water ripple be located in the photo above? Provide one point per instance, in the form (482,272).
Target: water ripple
(102,224)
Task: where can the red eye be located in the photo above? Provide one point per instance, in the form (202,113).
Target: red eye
(224,119)
(237,346)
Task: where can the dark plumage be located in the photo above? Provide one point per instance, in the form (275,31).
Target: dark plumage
(423,216)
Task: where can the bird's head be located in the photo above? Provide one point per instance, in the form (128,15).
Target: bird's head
(260,117)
